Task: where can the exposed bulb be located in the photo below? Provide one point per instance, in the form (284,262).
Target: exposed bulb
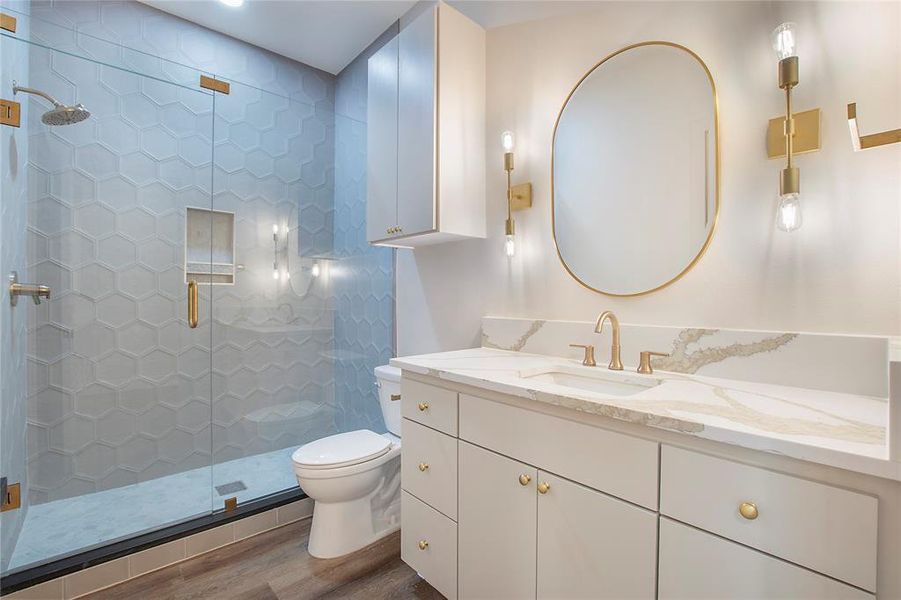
(287,275)
(508,141)
(275,274)
(232,3)
(285,230)
(784,41)
(275,229)
(510,246)
(315,270)
(788,216)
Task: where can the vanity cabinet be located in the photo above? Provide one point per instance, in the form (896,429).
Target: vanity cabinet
(425,132)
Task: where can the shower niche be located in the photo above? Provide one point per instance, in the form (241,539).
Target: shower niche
(210,246)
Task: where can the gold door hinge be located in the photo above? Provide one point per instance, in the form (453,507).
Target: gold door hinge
(223,87)
(10,113)
(8,22)
(12,499)
(231,504)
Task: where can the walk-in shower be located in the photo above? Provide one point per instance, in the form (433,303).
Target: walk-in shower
(121,413)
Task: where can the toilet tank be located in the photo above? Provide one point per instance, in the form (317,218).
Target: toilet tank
(388,381)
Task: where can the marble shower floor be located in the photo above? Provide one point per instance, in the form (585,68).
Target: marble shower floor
(62,527)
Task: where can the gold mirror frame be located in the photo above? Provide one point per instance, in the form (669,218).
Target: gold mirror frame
(716,192)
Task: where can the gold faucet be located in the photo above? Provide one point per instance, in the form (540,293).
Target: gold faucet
(616,363)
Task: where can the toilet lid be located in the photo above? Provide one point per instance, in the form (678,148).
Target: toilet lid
(341,450)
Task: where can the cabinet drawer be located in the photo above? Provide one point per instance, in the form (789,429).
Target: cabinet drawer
(824,528)
(429,466)
(617,464)
(428,543)
(429,405)
(695,565)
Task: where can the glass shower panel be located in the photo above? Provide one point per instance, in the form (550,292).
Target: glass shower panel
(273,338)
(106,378)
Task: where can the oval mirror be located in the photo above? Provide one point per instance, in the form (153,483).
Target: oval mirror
(635,167)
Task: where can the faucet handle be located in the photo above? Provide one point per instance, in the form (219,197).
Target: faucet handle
(588,357)
(644,363)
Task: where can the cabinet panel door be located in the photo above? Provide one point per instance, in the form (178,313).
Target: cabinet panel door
(591,545)
(695,565)
(496,526)
(381,143)
(416,125)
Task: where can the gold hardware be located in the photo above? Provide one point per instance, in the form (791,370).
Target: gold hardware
(588,356)
(10,113)
(423,544)
(423,406)
(862,142)
(543,487)
(16,289)
(395,397)
(8,22)
(644,361)
(748,510)
(192,304)
(423,467)
(216,85)
(790,179)
(806,137)
(519,197)
(231,504)
(522,196)
(716,129)
(12,499)
(524,479)
(616,363)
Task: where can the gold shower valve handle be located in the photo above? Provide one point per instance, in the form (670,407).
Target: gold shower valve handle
(423,466)
(748,510)
(423,406)
(524,479)
(544,487)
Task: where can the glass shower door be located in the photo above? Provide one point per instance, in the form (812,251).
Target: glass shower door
(106,384)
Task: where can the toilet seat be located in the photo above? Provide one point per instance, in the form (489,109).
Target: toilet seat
(341,450)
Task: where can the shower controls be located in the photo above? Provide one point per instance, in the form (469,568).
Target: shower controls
(35,290)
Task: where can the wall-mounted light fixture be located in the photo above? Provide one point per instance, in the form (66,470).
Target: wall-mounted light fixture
(518,196)
(789,211)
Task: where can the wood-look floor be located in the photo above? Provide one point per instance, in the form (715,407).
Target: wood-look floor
(276,566)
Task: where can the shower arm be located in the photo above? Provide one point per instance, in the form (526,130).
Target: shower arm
(27,90)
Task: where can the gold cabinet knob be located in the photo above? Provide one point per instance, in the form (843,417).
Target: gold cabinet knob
(423,405)
(543,487)
(748,510)
(423,466)
(423,544)
(524,479)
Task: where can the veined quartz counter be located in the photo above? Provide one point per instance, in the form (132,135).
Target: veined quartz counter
(837,429)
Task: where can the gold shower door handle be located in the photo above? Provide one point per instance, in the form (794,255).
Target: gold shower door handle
(192,304)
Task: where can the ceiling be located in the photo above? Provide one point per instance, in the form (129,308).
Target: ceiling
(328,34)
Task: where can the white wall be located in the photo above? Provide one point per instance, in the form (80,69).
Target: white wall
(840,273)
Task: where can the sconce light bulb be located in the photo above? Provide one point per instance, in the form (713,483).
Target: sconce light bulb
(788,216)
(785,41)
(510,246)
(275,229)
(275,273)
(285,229)
(315,270)
(508,141)
(232,3)
(287,275)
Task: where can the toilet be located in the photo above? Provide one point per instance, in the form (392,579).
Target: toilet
(354,479)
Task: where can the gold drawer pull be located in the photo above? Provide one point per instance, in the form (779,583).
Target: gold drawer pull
(423,405)
(423,544)
(543,487)
(423,466)
(395,397)
(524,479)
(748,510)
(192,304)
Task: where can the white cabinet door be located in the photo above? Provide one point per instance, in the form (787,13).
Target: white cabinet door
(496,526)
(695,565)
(591,545)
(381,143)
(416,150)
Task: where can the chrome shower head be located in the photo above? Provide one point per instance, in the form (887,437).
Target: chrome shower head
(60,114)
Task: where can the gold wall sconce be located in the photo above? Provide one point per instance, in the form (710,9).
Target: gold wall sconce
(862,142)
(800,132)
(519,197)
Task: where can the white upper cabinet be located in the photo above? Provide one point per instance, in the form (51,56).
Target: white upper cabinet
(426,132)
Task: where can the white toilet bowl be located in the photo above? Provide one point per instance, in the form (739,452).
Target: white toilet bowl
(354,480)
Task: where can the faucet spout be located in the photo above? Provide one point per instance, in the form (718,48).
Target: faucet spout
(616,363)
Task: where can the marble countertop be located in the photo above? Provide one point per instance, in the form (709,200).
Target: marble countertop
(837,429)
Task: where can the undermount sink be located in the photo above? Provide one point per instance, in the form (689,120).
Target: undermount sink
(601,382)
